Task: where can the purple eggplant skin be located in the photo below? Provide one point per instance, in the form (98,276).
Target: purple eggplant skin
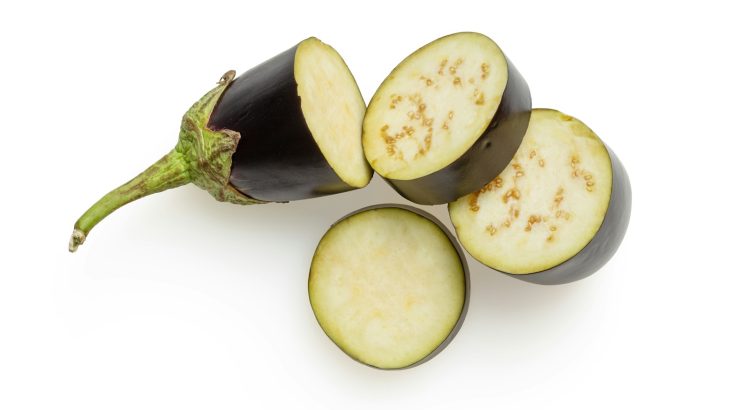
(464,265)
(605,242)
(277,159)
(484,160)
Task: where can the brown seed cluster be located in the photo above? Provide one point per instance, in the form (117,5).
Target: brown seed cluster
(558,197)
(441,69)
(419,115)
(533,154)
(452,69)
(513,193)
(513,214)
(427,81)
(395,99)
(562,214)
(473,206)
(549,221)
(480,99)
(390,140)
(496,183)
(446,123)
(580,172)
(533,219)
(425,122)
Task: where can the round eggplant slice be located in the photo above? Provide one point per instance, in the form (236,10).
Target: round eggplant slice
(389,285)
(557,213)
(299,116)
(447,119)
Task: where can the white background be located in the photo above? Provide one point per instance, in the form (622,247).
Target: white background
(178,301)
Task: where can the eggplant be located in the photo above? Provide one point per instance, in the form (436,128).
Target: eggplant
(285,130)
(557,213)
(447,119)
(389,285)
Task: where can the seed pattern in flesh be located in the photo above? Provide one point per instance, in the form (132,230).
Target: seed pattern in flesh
(579,172)
(512,195)
(418,116)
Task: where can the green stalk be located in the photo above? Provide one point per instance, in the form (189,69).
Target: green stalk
(202,156)
(169,172)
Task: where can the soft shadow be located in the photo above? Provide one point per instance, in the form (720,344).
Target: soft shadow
(505,315)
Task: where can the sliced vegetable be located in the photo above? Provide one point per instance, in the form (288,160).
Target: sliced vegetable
(287,129)
(557,213)
(447,119)
(389,285)
(300,117)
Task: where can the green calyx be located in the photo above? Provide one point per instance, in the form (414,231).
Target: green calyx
(202,156)
(208,153)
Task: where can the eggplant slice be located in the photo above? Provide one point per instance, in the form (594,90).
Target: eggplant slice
(389,286)
(447,119)
(557,213)
(299,116)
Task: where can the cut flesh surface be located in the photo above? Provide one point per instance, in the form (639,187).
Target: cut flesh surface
(333,109)
(387,286)
(434,106)
(546,205)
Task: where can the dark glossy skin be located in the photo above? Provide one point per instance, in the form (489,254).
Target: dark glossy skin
(277,159)
(464,265)
(489,155)
(603,245)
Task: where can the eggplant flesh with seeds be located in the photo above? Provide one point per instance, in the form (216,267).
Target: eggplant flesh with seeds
(389,286)
(287,129)
(447,119)
(557,213)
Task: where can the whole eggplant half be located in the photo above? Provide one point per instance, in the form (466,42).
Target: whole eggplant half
(557,213)
(287,129)
(389,285)
(447,119)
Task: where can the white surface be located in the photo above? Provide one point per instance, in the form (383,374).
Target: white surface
(178,301)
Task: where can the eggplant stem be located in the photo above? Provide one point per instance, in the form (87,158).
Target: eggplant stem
(76,240)
(170,171)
